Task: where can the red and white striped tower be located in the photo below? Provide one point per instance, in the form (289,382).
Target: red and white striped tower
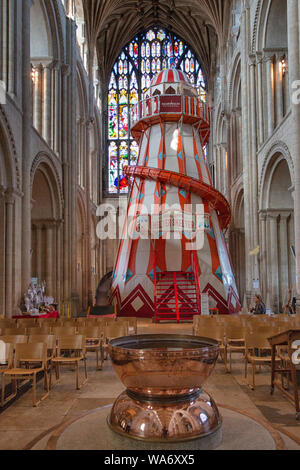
(161,276)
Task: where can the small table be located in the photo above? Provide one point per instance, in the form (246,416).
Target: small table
(286,338)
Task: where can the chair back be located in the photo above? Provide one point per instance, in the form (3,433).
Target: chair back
(64,330)
(90,332)
(116,330)
(46,321)
(44,330)
(26,322)
(33,352)
(14,339)
(13,331)
(50,341)
(132,321)
(235,332)
(257,341)
(71,343)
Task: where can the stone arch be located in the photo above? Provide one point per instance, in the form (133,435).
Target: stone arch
(9,206)
(278,150)
(10,162)
(46,219)
(237,240)
(277,226)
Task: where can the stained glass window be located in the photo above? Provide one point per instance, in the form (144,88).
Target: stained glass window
(145,56)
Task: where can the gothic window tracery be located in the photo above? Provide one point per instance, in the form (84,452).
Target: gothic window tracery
(144,57)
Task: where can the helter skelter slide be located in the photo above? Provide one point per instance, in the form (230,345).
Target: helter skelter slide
(161,276)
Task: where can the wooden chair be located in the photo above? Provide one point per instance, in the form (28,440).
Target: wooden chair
(26,322)
(9,353)
(255,345)
(114,331)
(43,330)
(14,339)
(27,356)
(46,321)
(94,337)
(235,340)
(64,330)
(50,341)
(216,332)
(132,323)
(71,350)
(13,332)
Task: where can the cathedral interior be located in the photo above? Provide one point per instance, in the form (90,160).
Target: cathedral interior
(71,72)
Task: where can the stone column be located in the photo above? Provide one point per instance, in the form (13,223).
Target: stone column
(39,249)
(47,99)
(274,267)
(2,249)
(57,104)
(4,14)
(279,90)
(245,46)
(58,261)
(26,145)
(263,254)
(11,48)
(37,98)
(284,256)
(254,169)
(261,122)
(49,259)
(10,201)
(294,75)
(270,96)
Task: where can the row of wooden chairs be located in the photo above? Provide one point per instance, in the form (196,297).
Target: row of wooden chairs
(29,356)
(77,322)
(239,339)
(95,339)
(69,329)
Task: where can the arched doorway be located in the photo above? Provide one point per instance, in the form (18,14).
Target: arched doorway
(237,245)
(46,231)
(277,231)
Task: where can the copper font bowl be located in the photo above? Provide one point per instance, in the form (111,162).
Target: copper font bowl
(163,376)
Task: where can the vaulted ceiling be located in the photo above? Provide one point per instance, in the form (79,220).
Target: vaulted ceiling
(111,24)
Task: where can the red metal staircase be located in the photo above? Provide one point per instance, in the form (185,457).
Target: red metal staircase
(177,295)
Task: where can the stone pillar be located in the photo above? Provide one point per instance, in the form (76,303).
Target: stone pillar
(284,256)
(57,103)
(26,145)
(253,167)
(263,254)
(270,96)
(279,91)
(11,48)
(261,121)
(273,268)
(245,105)
(39,249)
(47,99)
(4,65)
(37,98)
(10,201)
(58,261)
(49,259)
(2,249)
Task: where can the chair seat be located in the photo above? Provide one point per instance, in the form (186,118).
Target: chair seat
(67,359)
(23,371)
(262,359)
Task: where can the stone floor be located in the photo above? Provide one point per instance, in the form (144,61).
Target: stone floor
(22,426)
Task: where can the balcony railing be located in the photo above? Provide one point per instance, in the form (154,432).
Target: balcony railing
(170,104)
